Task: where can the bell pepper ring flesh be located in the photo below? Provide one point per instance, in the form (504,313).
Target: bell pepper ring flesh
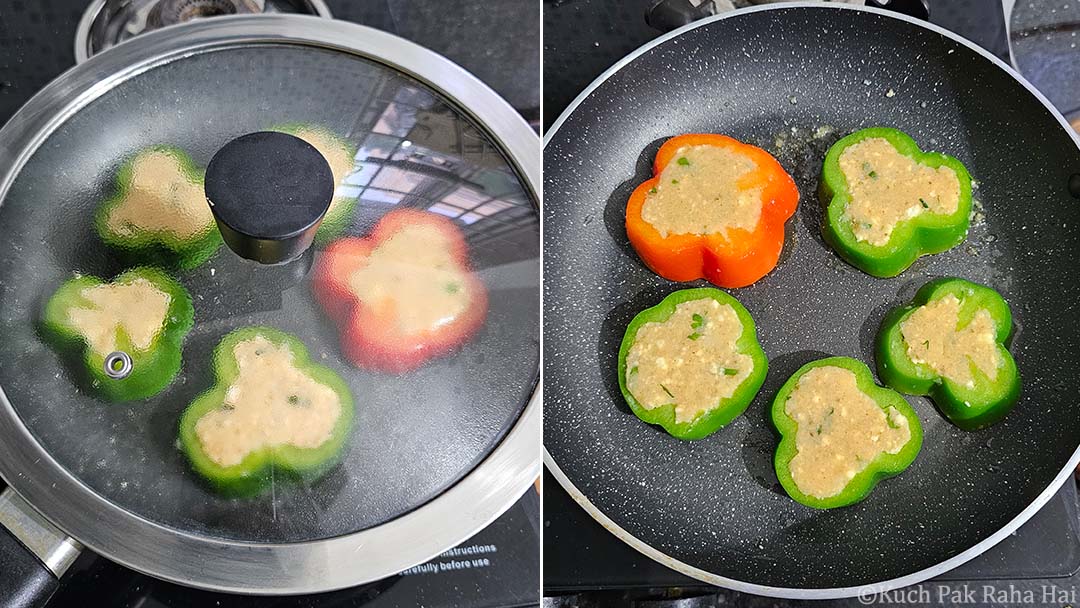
(734,256)
(143,313)
(832,439)
(372,322)
(742,380)
(886,246)
(246,470)
(950,343)
(159,214)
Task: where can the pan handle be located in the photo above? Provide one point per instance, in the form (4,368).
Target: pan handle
(33,554)
(667,15)
(919,9)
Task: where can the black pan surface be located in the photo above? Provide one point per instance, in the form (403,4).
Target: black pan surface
(793,80)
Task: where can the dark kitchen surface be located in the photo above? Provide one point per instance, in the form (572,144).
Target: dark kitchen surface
(585,565)
(500,565)
(498,568)
(37,41)
(582,38)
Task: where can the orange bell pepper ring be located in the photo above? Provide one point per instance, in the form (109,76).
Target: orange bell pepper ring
(730,256)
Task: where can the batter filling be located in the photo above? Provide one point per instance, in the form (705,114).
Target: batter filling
(160,198)
(271,403)
(934,337)
(888,187)
(336,155)
(137,309)
(841,430)
(414,278)
(691,359)
(705,190)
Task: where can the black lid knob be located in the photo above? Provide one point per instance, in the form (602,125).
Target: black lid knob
(269,192)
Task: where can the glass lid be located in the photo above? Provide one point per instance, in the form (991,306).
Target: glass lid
(236,401)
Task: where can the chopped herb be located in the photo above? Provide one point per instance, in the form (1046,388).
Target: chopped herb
(924,205)
(227,407)
(867,225)
(730,372)
(867,168)
(633,370)
(652,191)
(825,420)
(682,161)
(293,400)
(667,391)
(872,174)
(697,323)
(452,287)
(926,343)
(674,181)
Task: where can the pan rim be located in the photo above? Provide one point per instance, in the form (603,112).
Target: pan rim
(219,564)
(861,591)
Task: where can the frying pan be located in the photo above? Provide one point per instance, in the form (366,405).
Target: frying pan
(435,454)
(793,78)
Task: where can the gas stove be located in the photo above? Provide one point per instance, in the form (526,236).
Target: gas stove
(499,566)
(585,565)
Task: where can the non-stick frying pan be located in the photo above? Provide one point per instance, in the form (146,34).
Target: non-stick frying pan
(792,79)
(435,453)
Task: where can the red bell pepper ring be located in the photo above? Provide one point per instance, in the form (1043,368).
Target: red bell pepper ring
(735,259)
(371,335)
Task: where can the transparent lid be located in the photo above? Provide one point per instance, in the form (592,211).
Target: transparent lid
(418,305)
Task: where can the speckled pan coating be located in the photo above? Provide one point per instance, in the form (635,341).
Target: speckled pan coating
(775,78)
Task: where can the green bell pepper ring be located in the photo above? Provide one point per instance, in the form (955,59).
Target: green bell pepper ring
(726,409)
(340,154)
(161,245)
(251,473)
(152,367)
(924,233)
(883,465)
(971,405)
